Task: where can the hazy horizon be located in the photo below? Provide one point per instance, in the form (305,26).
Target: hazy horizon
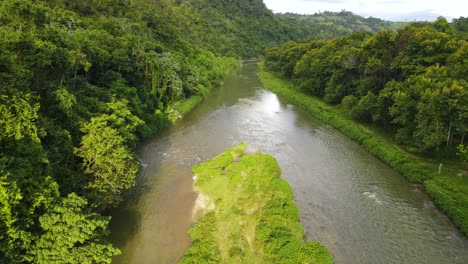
(393,10)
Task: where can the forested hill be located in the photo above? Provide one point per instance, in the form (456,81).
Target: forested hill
(328,25)
(241,27)
(246,27)
(81,82)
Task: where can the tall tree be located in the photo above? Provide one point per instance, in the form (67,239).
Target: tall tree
(108,162)
(71,234)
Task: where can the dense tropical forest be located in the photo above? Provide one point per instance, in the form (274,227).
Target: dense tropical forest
(409,86)
(82,82)
(412,82)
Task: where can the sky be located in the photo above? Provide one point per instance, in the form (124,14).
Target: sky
(396,10)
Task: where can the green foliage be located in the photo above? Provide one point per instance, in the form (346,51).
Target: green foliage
(327,25)
(449,192)
(463,152)
(411,82)
(80,84)
(66,101)
(121,119)
(17,117)
(187,105)
(461,26)
(71,235)
(204,247)
(10,197)
(108,162)
(248,214)
(364,109)
(26,190)
(451,195)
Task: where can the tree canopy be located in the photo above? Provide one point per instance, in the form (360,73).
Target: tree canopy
(81,82)
(410,82)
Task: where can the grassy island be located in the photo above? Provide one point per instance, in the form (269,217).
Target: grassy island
(246,214)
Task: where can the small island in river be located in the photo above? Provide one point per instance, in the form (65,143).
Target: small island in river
(245,213)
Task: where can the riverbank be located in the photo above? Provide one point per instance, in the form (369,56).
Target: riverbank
(181,108)
(448,190)
(247,214)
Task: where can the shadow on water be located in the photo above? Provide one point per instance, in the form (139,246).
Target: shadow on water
(124,224)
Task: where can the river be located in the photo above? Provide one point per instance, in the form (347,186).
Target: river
(360,208)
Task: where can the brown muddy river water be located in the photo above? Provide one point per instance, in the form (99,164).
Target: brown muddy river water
(360,208)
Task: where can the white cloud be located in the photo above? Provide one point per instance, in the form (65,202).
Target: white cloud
(326,1)
(386,9)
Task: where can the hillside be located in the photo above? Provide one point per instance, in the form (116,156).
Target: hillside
(328,25)
(81,84)
(246,27)
(242,27)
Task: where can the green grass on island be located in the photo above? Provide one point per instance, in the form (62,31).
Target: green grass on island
(246,214)
(449,190)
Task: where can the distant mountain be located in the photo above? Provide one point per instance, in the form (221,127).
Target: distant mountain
(243,27)
(247,27)
(328,25)
(417,16)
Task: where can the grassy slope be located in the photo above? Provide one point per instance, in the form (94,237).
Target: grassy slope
(181,108)
(252,217)
(448,190)
(188,104)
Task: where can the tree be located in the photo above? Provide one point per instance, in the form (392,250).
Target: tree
(120,118)
(17,117)
(108,162)
(431,128)
(461,26)
(26,189)
(376,55)
(463,152)
(10,234)
(365,109)
(419,48)
(72,235)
